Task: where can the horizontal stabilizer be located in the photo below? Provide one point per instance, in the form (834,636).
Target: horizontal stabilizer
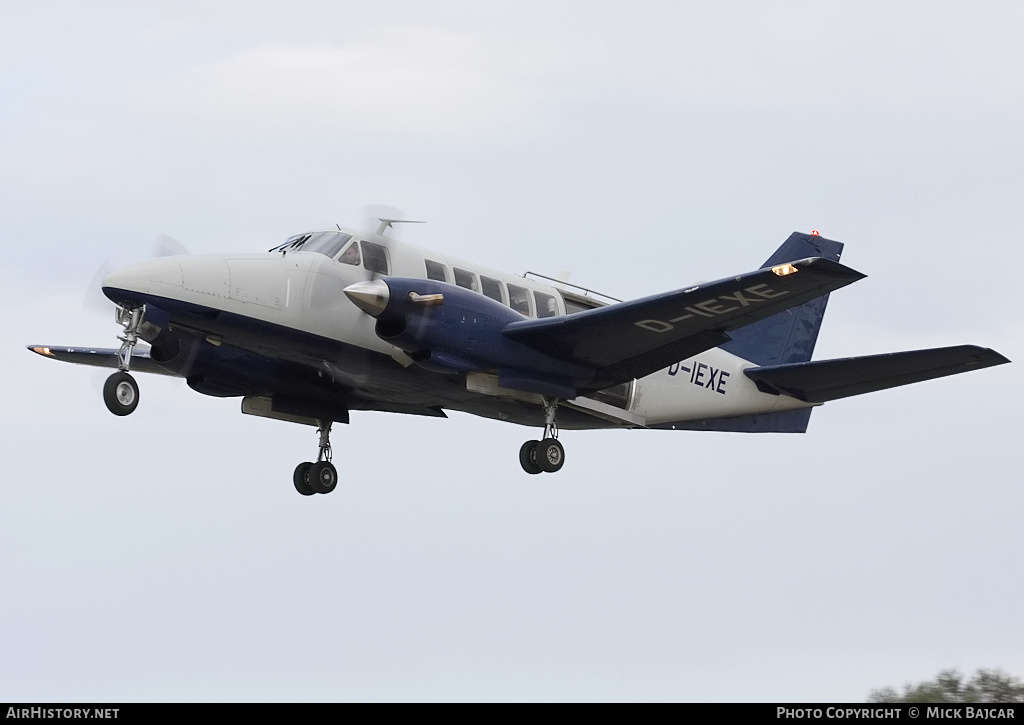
(100,357)
(632,339)
(825,380)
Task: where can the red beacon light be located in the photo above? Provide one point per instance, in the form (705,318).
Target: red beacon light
(814,233)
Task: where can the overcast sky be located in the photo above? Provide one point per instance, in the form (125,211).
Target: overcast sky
(639,146)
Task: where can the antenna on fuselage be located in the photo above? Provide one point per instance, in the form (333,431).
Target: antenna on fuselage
(385,223)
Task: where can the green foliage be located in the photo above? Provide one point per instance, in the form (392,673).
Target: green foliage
(949,686)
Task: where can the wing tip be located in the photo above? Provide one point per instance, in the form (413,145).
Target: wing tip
(988,357)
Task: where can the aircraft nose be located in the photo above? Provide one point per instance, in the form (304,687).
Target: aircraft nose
(371,297)
(123,285)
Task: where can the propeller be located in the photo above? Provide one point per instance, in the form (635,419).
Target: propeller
(166,246)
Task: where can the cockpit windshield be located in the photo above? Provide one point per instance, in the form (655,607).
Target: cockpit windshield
(292,243)
(326,243)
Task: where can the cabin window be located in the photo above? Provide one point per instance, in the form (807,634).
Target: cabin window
(519,300)
(465,278)
(350,255)
(492,288)
(545,305)
(435,270)
(573,306)
(375,258)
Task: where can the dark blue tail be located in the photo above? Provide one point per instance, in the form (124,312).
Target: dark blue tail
(789,336)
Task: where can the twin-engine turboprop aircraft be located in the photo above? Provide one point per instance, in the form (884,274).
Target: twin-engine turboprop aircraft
(337,321)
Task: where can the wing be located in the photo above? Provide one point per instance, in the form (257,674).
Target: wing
(633,339)
(100,357)
(825,380)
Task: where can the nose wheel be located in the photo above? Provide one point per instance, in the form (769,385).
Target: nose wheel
(546,455)
(322,476)
(120,391)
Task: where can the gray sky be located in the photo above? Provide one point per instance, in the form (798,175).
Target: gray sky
(641,147)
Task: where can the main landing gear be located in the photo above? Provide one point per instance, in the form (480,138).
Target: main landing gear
(322,476)
(547,454)
(120,391)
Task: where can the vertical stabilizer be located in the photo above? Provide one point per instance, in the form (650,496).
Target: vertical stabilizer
(789,336)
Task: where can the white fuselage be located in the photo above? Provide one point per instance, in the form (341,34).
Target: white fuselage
(303,291)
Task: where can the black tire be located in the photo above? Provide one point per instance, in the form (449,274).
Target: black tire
(301,479)
(323,477)
(528,457)
(550,455)
(121,394)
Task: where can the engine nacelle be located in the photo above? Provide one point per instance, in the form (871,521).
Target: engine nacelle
(441,326)
(446,328)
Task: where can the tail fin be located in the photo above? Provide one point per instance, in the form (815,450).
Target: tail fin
(789,336)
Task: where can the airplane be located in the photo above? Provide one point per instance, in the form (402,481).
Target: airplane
(336,321)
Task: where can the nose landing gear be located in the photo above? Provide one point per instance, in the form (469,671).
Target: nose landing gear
(546,455)
(322,476)
(120,391)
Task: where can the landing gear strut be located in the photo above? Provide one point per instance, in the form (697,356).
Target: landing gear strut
(120,391)
(322,476)
(547,454)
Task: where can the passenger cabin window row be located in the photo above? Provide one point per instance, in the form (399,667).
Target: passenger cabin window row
(519,298)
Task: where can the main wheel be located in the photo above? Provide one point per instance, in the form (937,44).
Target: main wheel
(323,477)
(121,393)
(528,457)
(301,479)
(550,455)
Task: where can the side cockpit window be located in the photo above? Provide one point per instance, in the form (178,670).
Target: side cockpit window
(350,255)
(375,258)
